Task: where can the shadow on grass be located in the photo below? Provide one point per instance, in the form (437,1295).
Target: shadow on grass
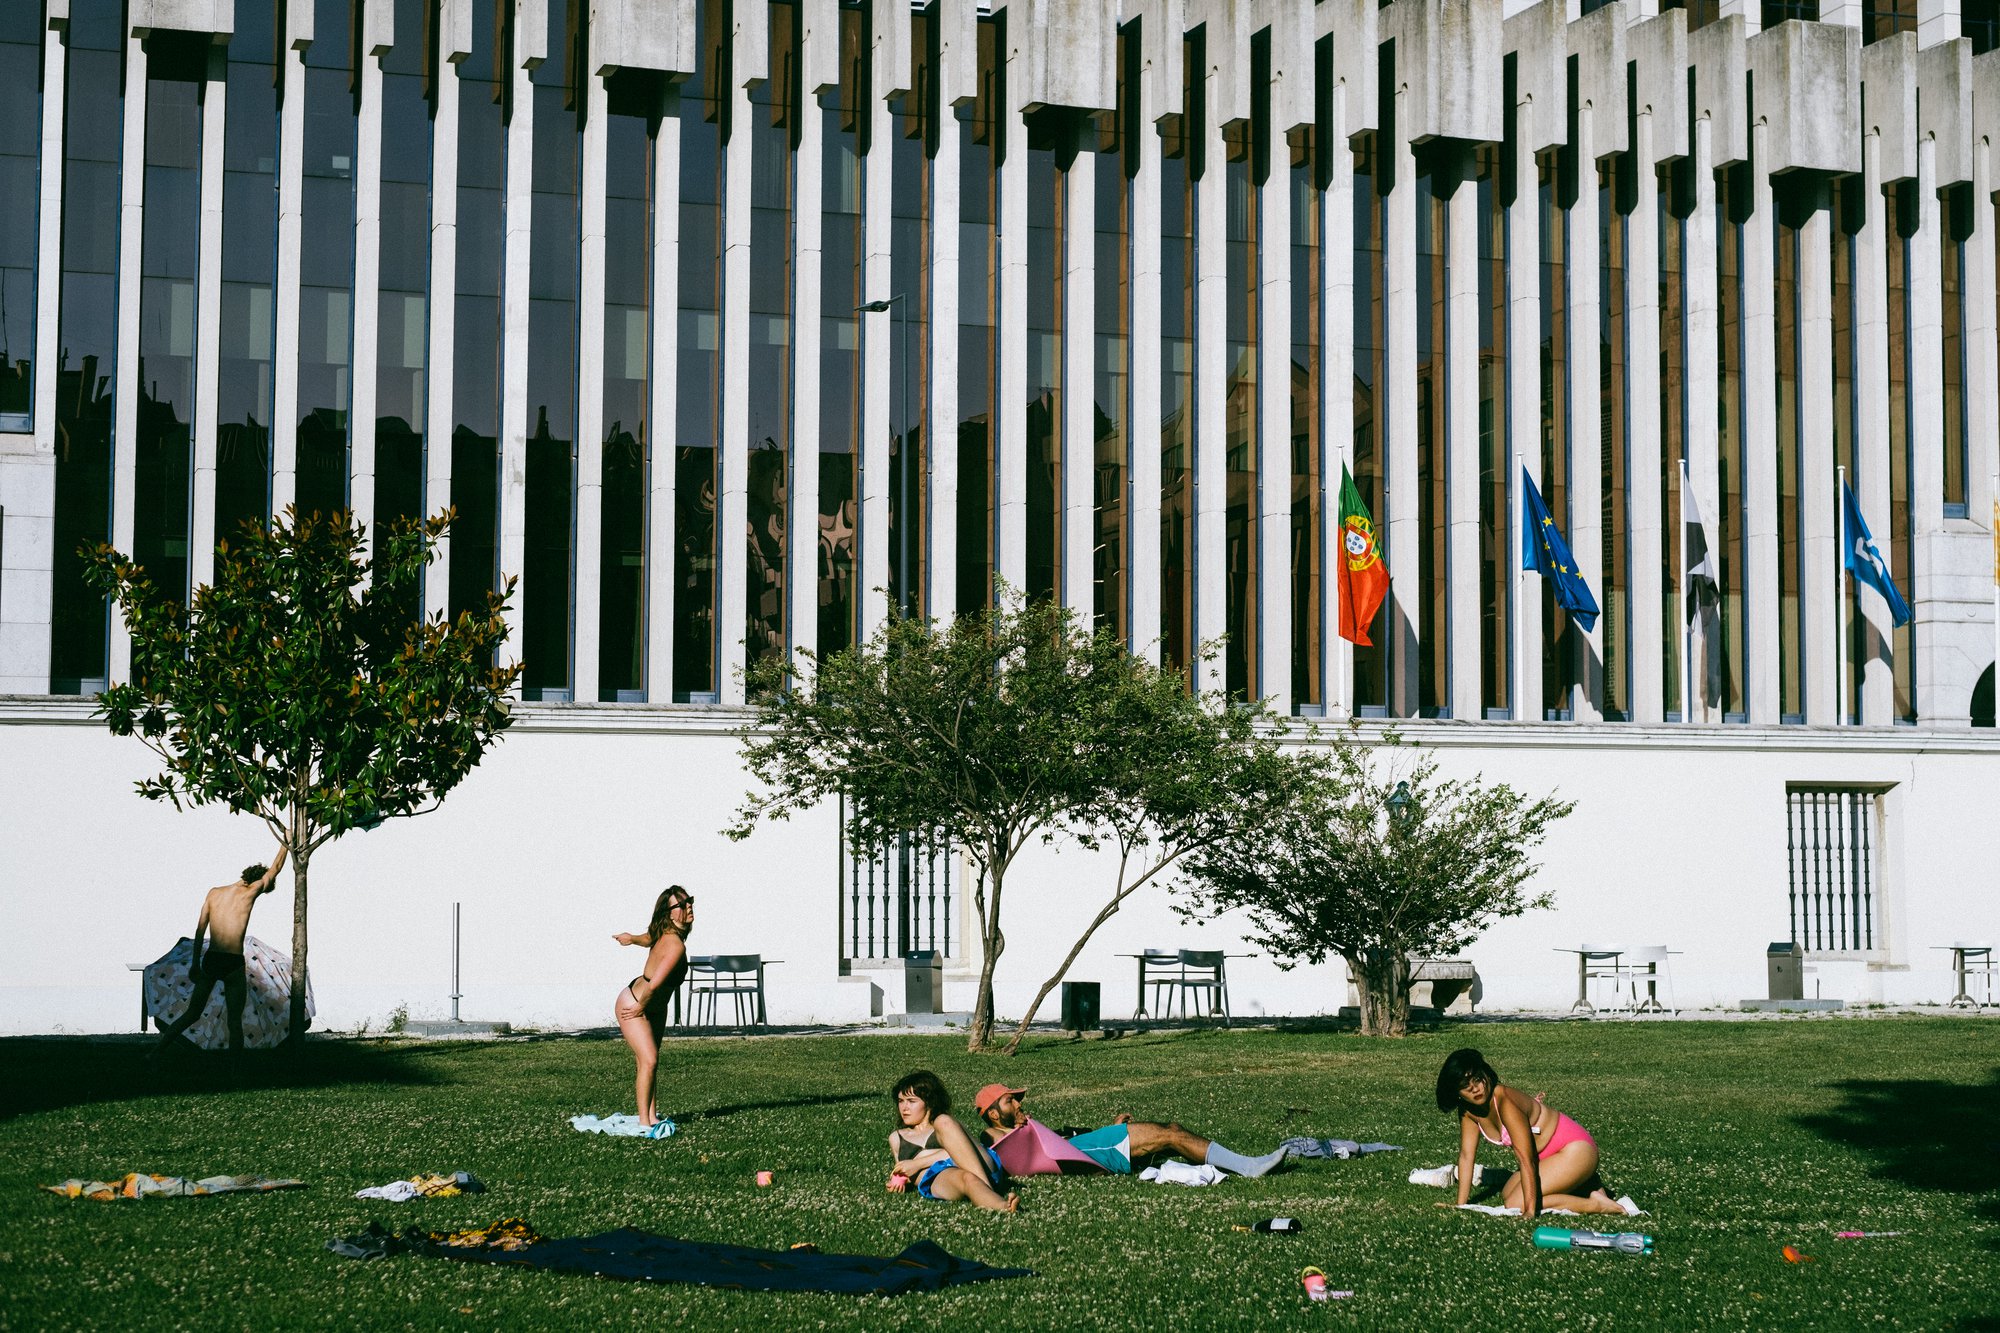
(45,1074)
(1926,1134)
(780,1104)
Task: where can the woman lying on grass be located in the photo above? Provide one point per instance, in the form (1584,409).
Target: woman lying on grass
(928,1147)
(1562,1174)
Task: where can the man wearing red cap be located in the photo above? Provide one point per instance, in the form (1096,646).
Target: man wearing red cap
(1116,1146)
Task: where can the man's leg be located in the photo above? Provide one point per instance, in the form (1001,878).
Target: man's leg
(203,988)
(233,992)
(1149,1138)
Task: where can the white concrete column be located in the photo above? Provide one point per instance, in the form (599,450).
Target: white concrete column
(1701,278)
(285,300)
(878,364)
(363,371)
(208,323)
(1937,21)
(1461,461)
(125,384)
(1586,414)
(1143,539)
(442,308)
(1819,549)
(1211,404)
(1524,396)
(1336,402)
(1938,704)
(1273,503)
(1076,526)
(802,490)
(941,430)
(514,290)
(1398,395)
(586,553)
(1871,444)
(732,510)
(1760,446)
(1645,473)
(663,403)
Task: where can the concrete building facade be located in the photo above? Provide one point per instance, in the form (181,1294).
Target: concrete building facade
(730,325)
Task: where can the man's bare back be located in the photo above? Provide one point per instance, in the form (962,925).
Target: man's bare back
(226,912)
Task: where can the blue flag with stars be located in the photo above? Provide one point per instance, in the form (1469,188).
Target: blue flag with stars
(1866,561)
(1544,551)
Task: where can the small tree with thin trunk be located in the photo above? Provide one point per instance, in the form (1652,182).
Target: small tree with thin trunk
(296,690)
(1379,859)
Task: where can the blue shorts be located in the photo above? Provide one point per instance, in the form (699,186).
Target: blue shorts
(1109,1147)
(935,1169)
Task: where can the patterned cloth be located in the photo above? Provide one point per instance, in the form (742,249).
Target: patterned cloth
(1341,1149)
(267,999)
(139,1186)
(623,1125)
(429,1186)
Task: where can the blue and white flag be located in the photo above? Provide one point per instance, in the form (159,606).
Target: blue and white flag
(1866,562)
(1544,551)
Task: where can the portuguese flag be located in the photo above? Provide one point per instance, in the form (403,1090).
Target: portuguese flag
(1364,579)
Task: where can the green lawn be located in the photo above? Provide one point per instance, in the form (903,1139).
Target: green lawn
(1738,1137)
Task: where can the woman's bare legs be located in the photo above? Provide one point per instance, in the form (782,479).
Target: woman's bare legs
(642,1033)
(1572,1167)
(955,1182)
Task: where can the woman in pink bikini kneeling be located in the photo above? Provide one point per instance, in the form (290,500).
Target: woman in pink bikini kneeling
(1558,1157)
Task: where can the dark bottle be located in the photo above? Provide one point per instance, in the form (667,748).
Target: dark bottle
(1287,1226)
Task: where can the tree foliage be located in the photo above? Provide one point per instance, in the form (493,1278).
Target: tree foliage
(298,690)
(1336,871)
(995,729)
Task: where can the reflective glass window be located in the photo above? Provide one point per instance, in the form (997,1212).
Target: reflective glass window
(20,204)
(326,259)
(245,343)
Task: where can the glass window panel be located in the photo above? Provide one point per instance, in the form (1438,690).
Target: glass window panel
(774,116)
(1496,576)
(1370,347)
(476,332)
(628,252)
(20,203)
(1614,442)
(698,366)
(249,280)
(1307,575)
(1240,430)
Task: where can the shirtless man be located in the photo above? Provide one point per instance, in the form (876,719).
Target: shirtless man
(1125,1141)
(225,919)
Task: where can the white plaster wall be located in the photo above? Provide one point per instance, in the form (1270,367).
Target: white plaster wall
(565,835)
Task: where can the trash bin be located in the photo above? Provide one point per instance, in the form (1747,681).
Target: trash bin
(1784,967)
(1079,1006)
(923,981)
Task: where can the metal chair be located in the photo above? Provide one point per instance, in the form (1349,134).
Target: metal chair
(1598,962)
(1647,965)
(1202,970)
(740,976)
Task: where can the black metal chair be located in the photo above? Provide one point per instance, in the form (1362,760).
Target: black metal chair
(740,976)
(1201,971)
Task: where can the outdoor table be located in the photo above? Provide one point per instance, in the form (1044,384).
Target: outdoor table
(1964,957)
(1160,956)
(705,963)
(1586,955)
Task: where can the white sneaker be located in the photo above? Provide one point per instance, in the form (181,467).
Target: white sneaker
(1631,1209)
(1437,1177)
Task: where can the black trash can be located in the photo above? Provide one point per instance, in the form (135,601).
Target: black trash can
(1079,1006)
(1784,969)
(923,981)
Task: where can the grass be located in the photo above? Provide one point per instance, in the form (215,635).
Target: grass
(1738,1137)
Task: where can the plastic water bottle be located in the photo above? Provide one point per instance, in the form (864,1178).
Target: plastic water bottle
(1284,1226)
(1624,1242)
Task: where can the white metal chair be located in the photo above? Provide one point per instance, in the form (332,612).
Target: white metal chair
(1646,966)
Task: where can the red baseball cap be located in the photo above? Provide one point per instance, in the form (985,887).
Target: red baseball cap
(992,1093)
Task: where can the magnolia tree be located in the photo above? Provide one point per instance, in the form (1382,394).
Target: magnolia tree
(298,690)
(1378,859)
(997,729)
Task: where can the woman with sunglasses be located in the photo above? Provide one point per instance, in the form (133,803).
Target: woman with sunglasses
(641,1008)
(1557,1156)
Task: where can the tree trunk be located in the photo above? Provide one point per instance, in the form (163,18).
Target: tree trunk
(1384,982)
(297,1034)
(992,942)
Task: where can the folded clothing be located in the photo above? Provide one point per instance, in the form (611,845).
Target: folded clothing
(1341,1149)
(140,1186)
(1182,1173)
(428,1186)
(623,1125)
(642,1256)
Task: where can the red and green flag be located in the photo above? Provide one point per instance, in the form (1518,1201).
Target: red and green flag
(1364,579)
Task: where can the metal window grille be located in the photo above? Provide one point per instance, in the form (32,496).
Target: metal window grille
(1830,839)
(898,898)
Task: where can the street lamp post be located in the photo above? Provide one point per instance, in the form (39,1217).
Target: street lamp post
(905,602)
(1399,804)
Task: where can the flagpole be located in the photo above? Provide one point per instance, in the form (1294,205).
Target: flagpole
(1840,587)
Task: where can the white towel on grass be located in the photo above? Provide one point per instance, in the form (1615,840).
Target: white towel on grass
(1182,1173)
(622,1125)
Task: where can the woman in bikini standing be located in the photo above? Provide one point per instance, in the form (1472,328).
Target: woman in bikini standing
(641,1007)
(1558,1158)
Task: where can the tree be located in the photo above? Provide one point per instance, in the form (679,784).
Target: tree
(296,690)
(1379,859)
(993,730)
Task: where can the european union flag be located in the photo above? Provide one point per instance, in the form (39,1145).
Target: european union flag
(1867,563)
(1544,551)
